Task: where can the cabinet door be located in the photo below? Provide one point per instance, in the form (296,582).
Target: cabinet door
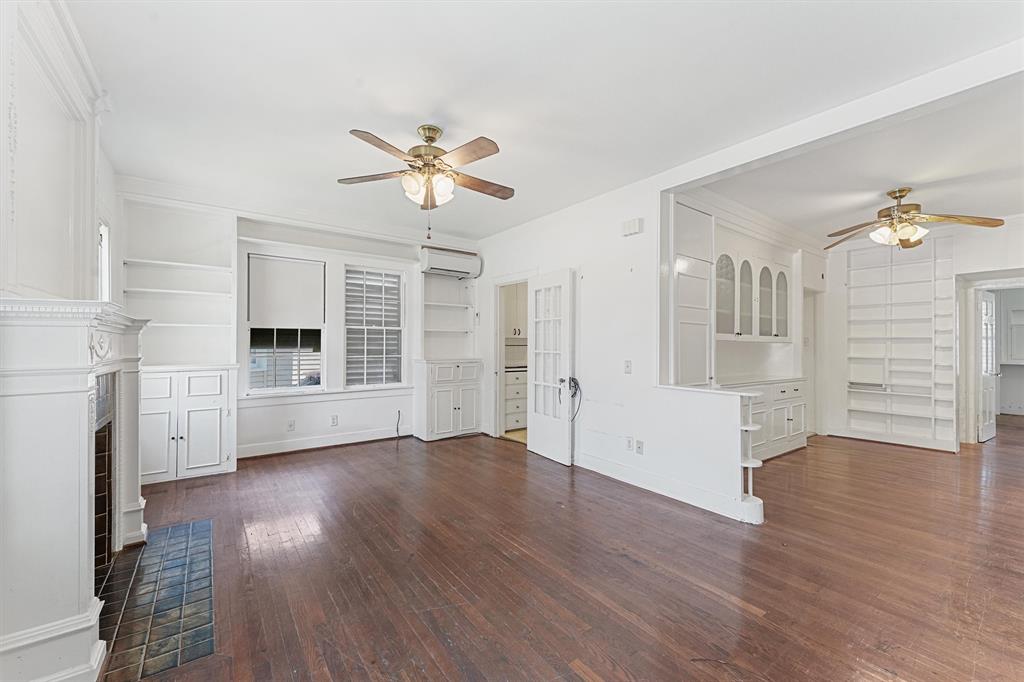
(158,425)
(779,420)
(765,289)
(797,419)
(725,295)
(468,372)
(202,414)
(782,304)
(692,330)
(469,397)
(442,408)
(508,305)
(746,298)
(521,300)
(760,418)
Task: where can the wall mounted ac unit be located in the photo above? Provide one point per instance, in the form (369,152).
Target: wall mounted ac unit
(449,262)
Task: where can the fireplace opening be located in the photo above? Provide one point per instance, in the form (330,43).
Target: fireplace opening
(104,500)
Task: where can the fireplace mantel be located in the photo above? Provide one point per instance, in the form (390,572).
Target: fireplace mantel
(51,352)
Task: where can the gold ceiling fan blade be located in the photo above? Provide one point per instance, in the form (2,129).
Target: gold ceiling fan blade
(840,233)
(484,186)
(851,235)
(962,219)
(909,244)
(370,178)
(382,145)
(429,200)
(474,150)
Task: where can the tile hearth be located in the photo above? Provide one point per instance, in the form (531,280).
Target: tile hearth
(158,602)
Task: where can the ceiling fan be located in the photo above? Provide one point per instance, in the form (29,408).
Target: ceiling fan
(431,178)
(900,225)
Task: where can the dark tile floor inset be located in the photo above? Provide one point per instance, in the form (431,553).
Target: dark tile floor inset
(158,609)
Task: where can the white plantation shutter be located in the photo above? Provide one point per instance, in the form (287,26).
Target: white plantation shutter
(373,327)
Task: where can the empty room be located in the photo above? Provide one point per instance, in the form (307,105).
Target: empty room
(589,340)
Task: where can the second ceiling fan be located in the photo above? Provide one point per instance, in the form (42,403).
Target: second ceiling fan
(901,225)
(431,177)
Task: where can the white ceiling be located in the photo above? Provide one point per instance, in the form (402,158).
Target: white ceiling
(965,158)
(253,100)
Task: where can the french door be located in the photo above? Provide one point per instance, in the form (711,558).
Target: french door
(550,315)
(989,398)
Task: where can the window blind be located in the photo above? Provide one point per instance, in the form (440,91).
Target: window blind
(284,358)
(285,292)
(373,328)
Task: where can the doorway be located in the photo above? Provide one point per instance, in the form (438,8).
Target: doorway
(513,361)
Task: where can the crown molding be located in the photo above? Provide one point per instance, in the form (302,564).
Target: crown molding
(154,191)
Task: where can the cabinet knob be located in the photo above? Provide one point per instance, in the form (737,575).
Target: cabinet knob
(173,438)
(781,391)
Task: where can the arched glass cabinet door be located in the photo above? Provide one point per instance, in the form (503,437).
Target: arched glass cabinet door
(725,295)
(764,302)
(781,305)
(746,298)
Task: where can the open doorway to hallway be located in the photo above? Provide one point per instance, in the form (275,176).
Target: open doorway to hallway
(1000,323)
(513,360)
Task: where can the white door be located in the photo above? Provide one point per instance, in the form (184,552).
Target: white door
(989,397)
(202,412)
(797,419)
(550,314)
(158,426)
(442,402)
(469,397)
(778,421)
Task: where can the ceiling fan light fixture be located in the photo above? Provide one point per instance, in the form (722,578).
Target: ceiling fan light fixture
(412,183)
(444,187)
(884,235)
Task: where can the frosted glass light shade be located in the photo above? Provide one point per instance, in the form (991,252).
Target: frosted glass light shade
(884,235)
(444,187)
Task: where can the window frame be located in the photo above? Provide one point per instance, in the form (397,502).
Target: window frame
(403,328)
(296,388)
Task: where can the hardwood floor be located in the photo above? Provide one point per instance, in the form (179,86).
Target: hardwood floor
(470,559)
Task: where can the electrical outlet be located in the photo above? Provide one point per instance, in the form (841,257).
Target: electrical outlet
(291,425)
(639,447)
(334,420)
(629,443)
(628,367)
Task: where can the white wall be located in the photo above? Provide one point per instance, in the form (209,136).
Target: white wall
(362,413)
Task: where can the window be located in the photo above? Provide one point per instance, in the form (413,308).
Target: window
(103,264)
(283,358)
(373,328)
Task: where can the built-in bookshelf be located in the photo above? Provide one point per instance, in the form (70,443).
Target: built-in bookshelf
(449,317)
(900,352)
(179,273)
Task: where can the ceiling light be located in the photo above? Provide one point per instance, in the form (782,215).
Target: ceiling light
(905,230)
(412,183)
(884,235)
(444,187)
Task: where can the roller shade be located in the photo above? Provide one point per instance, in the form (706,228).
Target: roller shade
(285,292)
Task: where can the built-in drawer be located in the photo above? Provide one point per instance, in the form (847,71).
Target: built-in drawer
(454,372)
(515,406)
(515,391)
(518,377)
(790,390)
(515,421)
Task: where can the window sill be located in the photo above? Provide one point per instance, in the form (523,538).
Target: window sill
(323,394)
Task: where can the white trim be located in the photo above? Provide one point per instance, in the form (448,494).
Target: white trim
(48,631)
(274,398)
(284,446)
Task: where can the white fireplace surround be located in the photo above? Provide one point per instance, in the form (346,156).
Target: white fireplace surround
(51,352)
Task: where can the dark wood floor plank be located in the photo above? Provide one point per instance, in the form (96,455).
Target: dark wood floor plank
(472,559)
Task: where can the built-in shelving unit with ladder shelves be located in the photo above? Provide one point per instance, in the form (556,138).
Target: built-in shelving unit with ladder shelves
(180,274)
(899,340)
(449,317)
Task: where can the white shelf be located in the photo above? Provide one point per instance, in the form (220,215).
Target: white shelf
(898,394)
(178,264)
(448,331)
(438,304)
(177,292)
(892,413)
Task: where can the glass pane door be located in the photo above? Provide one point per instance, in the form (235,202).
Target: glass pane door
(725,295)
(746,298)
(764,304)
(781,305)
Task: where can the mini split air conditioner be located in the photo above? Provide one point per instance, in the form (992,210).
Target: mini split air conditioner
(449,262)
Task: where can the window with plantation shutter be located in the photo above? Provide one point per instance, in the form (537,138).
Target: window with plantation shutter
(373,327)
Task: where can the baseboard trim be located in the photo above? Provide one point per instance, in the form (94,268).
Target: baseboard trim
(86,671)
(313,442)
(658,483)
(48,631)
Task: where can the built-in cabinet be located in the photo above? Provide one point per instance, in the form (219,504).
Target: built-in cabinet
(1011,327)
(779,413)
(514,306)
(515,399)
(752,298)
(450,393)
(186,425)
